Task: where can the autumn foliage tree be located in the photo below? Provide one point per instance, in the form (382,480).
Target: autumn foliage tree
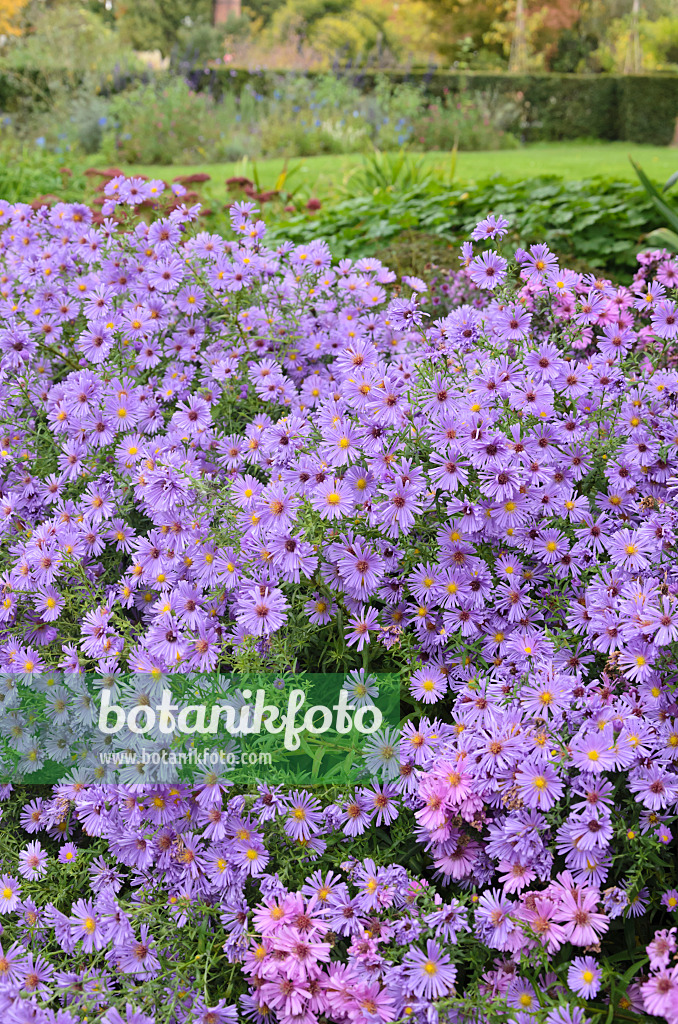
(10,17)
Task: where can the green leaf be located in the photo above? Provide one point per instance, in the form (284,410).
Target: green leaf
(669,214)
(665,238)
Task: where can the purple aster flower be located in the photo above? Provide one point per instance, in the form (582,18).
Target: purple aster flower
(593,752)
(37,973)
(12,962)
(539,785)
(358,631)
(513,322)
(332,499)
(431,974)
(670,899)
(131,1016)
(263,610)
(86,926)
(490,227)
(584,976)
(665,319)
(428,685)
(357,815)
(10,892)
(68,853)
(137,956)
(303,816)
(488,270)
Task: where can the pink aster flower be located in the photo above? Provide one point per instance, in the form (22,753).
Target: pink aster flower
(659,992)
(583,924)
(661,948)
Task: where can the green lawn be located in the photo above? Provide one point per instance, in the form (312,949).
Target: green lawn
(323,175)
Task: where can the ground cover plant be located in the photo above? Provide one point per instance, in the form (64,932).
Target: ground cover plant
(221,454)
(597,221)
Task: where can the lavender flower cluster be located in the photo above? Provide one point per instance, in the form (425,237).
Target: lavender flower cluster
(220,455)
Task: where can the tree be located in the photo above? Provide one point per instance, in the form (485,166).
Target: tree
(261,11)
(157,24)
(463,27)
(10,12)
(333,28)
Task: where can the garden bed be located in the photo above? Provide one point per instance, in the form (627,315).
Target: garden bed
(238,464)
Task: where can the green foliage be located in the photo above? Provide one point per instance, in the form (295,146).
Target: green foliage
(348,28)
(387,171)
(550,107)
(595,224)
(54,80)
(67,44)
(261,11)
(157,24)
(302,116)
(197,44)
(648,107)
(667,236)
(470,121)
(26,173)
(166,122)
(662,39)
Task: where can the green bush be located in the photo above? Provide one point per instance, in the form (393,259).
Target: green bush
(471,121)
(166,122)
(305,116)
(648,108)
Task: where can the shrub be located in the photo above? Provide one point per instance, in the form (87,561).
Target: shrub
(471,121)
(166,122)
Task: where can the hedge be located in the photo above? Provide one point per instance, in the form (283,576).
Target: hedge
(634,108)
(26,88)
